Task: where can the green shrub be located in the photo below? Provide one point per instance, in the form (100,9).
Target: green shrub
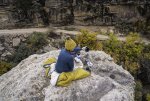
(33,43)
(89,39)
(22,52)
(148,97)
(125,53)
(133,51)
(37,40)
(138,91)
(112,47)
(4,67)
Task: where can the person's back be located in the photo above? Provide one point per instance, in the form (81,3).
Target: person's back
(64,62)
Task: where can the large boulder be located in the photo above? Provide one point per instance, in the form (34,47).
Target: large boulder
(27,82)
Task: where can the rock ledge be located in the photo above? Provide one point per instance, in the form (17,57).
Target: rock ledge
(108,82)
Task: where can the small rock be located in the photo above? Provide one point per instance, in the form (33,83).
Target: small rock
(6,54)
(110,59)
(16,41)
(48,48)
(2,48)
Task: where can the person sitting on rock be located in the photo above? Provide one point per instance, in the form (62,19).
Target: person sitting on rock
(68,66)
(65,62)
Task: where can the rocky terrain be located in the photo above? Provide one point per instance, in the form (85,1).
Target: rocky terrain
(77,12)
(27,82)
(10,39)
(6,19)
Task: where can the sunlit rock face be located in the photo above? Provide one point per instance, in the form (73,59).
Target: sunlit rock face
(27,82)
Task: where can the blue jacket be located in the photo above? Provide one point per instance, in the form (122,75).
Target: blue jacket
(65,62)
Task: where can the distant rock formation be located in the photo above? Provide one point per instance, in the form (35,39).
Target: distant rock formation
(78,12)
(6,2)
(93,12)
(27,82)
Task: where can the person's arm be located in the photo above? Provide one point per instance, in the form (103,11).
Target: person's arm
(77,49)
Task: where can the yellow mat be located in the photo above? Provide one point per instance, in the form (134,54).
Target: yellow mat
(66,78)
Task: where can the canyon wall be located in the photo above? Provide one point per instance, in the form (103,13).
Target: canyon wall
(74,12)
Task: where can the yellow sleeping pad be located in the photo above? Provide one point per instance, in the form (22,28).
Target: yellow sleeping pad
(47,64)
(66,78)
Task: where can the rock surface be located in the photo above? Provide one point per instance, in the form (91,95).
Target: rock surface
(108,82)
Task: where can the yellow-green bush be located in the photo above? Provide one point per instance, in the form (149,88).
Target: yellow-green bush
(4,67)
(133,50)
(148,97)
(89,39)
(125,53)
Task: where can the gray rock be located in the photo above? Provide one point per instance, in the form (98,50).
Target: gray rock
(27,82)
(16,41)
(48,48)
(6,53)
(1,48)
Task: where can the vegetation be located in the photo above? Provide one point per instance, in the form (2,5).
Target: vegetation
(144,74)
(32,45)
(148,97)
(125,53)
(138,91)
(22,52)
(131,54)
(88,39)
(4,67)
(37,40)
(34,42)
(23,7)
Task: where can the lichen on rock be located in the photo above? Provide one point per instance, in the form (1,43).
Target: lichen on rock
(27,82)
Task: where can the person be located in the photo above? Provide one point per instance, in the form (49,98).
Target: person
(65,61)
(68,67)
